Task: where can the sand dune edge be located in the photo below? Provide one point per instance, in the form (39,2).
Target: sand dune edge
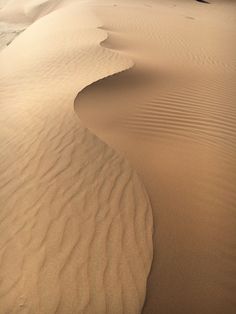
(76,222)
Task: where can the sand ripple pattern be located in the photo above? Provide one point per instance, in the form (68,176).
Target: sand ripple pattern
(173,114)
(192,112)
(75,220)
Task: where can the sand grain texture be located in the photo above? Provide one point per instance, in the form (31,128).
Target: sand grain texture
(75,220)
(174,116)
(154,80)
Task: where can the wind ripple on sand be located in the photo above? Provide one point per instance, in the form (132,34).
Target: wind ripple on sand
(178,105)
(75,220)
(187,113)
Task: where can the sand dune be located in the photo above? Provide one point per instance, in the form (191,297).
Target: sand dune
(155,81)
(16,16)
(76,223)
(173,115)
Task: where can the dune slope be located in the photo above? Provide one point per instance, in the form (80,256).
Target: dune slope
(75,220)
(173,115)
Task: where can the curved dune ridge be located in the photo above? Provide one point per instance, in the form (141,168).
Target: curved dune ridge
(76,223)
(75,220)
(173,115)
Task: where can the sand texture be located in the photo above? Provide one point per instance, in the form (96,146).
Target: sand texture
(174,116)
(75,220)
(90,92)
(17,15)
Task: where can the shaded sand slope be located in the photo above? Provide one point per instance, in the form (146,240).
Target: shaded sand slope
(75,221)
(173,115)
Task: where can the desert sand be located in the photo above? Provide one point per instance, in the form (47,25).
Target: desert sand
(76,222)
(117,119)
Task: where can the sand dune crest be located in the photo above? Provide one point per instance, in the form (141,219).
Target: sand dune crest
(173,115)
(75,220)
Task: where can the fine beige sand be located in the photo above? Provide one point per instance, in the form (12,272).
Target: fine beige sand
(174,116)
(75,220)
(153,81)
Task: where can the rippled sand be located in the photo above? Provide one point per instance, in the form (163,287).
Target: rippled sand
(154,81)
(75,219)
(174,116)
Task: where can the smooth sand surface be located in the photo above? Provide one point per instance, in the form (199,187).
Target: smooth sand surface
(76,232)
(75,220)
(174,116)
